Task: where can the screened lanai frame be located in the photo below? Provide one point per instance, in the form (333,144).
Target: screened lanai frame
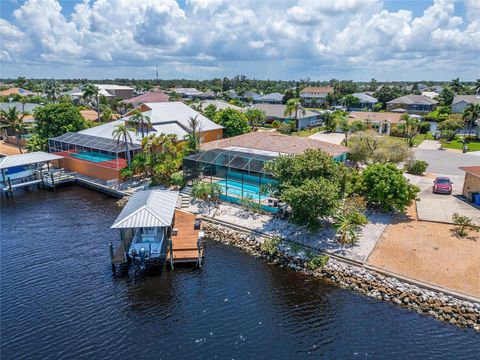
(244,169)
(74,143)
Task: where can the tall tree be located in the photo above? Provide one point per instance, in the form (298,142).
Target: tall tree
(90,92)
(477,86)
(122,133)
(255,117)
(141,121)
(52,89)
(470,115)
(234,122)
(411,127)
(194,132)
(294,106)
(13,119)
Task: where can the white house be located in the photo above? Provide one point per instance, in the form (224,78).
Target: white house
(313,96)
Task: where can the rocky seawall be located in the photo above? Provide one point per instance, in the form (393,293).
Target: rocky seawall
(371,283)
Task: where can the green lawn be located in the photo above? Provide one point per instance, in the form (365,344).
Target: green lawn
(473,145)
(420,137)
(308,132)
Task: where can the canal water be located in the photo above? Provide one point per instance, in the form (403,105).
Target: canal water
(60,301)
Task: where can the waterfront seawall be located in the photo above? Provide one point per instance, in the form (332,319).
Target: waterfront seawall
(356,277)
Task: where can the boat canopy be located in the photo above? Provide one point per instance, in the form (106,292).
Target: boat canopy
(150,208)
(36,157)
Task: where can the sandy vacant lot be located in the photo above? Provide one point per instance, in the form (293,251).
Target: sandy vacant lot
(429,252)
(8,149)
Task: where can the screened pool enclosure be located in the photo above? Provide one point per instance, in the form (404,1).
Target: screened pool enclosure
(241,175)
(103,152)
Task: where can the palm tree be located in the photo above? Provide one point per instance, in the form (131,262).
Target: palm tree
(411,127)
(13,119)
(477,87)
(456,86)
(141,121)
(174,96)
(294,106)
(198,107)
(23,100)
(255,117)
(107,114)
(91,91)
(470,115)
(52,89)
(122,133)
(194,131)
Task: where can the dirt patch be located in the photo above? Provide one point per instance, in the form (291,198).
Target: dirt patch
(8,149)
(429,252)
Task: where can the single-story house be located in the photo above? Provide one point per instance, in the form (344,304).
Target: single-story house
(247,95)
(187,93)
(413,104)
(430,94)
(460,102)
(95,152)
(117,91)
(148,97)
(29,119)
(383,122)
(471,184)
(237,164)
(272,98)
(207,95)
(220,105)
(276,112)
(366,102)
(314,96)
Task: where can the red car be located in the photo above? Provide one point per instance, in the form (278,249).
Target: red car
(442,185)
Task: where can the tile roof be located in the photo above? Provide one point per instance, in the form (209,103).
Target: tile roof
(15,91)
(391,117)
(283,144)
(473,170)
(472,99)
(271,97)
(157,96)
(317,89)
(365,98)
(413,99)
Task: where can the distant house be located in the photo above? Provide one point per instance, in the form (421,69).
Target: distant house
(118,91)
(471,184)
(207,95)
(366,101)
(148,97)
(28,108)
(94,152)
(220,105)
(382,122)
(276,112)
(272,98)
(314,96)
(187,93)
(460,102)
(15,91)
(412,104)
(251,95)
(430,94)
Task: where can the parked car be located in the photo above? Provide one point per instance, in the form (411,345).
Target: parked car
(442,185)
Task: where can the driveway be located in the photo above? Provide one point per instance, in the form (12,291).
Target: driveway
(443,162)
(430,145)
(333,138)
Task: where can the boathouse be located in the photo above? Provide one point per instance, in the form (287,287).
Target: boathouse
(151,229)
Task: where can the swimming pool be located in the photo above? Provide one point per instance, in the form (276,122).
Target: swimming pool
(234,188)
(93,156)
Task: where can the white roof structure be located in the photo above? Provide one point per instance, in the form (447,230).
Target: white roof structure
(220,105)
(113,87)
(166,118)
(36,157)
(187,91)
(101,92)
(365,98)
(430,94)
(150,208)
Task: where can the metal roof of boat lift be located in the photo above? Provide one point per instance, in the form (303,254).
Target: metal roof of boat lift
(149,208)
(95,142)
(36,157)
(233,159)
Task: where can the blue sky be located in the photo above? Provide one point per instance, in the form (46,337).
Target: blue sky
(199,39)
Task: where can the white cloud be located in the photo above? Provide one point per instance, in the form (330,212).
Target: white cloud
(208,35)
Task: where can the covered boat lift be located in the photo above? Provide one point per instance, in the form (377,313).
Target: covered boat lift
(149,232)
(24,170)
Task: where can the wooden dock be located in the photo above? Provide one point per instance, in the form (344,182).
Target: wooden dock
(185,245)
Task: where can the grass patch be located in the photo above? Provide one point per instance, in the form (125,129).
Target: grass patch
(473,145)
(308,132)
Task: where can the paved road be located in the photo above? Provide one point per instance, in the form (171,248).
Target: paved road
(446,162)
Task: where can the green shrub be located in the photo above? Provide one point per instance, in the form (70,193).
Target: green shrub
(416,167)
(424,127)
(318,262)
(448,135)
(201,190)
(463,224)
(270,246)
(250,204)
(177,179)
(126,173)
